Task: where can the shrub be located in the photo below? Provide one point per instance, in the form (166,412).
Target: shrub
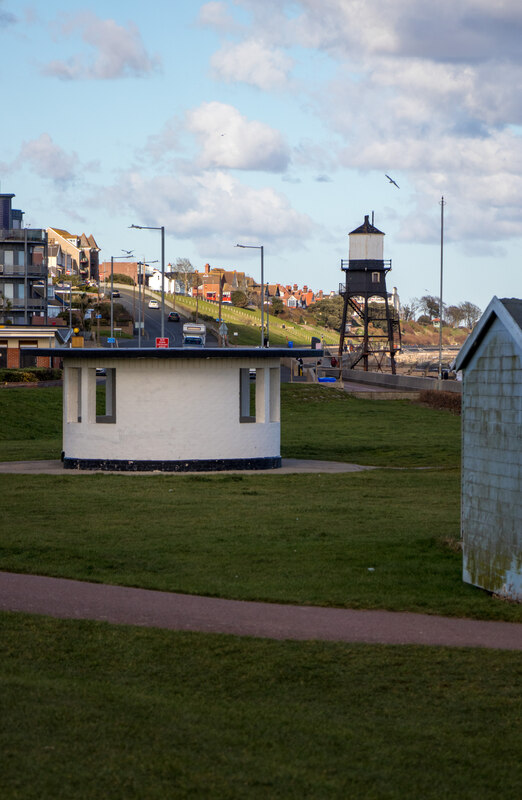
(448,401)
(29,375)
(239,299)
(120,277)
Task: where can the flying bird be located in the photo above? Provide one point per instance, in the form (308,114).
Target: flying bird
(392,181)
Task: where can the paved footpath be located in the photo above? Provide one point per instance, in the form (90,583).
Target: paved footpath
(67,599)
(289,466)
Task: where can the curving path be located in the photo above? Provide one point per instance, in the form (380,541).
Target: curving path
(289,466)
(68,599)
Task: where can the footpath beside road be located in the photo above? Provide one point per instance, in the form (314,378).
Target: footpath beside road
(69,599)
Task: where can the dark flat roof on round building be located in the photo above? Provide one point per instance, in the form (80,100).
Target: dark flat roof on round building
(176,352)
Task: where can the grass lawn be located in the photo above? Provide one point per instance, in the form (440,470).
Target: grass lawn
(317,422)
(95,711)
(297,538)
(325,423)
(91,710)
(31,425)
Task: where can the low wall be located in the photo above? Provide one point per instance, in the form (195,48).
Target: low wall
(406,382)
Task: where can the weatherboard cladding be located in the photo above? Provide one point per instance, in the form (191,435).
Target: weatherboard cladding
(491,460)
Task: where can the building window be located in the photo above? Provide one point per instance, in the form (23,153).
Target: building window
(106,397)
(28,359)
(247,395)
(259,395)
(376,277)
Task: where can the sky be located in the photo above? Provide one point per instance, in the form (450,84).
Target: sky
(274,123)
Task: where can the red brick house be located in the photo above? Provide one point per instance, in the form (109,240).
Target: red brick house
(16,339)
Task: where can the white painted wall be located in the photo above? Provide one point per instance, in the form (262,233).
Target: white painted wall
(492,465)
(366,245)
(173,409)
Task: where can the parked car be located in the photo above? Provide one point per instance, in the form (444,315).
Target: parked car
(116,293)
(173,317)
(154,304)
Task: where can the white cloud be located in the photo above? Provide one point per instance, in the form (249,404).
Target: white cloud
(252,62)
(215,15)
(214,209)
(470,30)
(48,160)
(118,51)
(425,90)
(229,140)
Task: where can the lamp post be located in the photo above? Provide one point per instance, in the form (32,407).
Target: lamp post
(141,295)
(162,229)
(261,248)
(442,204)
(127,254)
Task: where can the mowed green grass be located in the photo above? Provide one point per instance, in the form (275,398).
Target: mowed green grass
(96,711)
(317,422)
(326,423)
(386,538)
(30,423)
(91,710)
(377,539)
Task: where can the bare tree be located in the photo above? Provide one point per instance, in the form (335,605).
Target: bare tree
(413,306)
(184,272)
(454,315)
(429,305)
(471,312)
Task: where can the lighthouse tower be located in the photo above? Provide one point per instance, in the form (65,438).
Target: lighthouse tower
(366,300)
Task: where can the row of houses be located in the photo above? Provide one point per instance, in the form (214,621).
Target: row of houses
(211,282)
(32,259)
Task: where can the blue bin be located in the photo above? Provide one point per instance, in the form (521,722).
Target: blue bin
(290,344)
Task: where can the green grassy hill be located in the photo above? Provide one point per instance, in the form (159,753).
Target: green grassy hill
(246,323)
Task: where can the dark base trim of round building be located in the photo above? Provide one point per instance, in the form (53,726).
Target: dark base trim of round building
(200,465)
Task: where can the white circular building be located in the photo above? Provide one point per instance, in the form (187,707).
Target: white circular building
(177,410)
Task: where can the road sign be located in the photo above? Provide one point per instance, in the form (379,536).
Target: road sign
(111,340)
(162,341)
(98,316)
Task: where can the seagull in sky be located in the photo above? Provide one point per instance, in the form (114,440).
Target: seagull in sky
(392,181)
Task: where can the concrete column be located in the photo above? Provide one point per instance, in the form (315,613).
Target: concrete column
(262,395)
(88,394)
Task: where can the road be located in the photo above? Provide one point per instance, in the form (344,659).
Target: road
(152,319)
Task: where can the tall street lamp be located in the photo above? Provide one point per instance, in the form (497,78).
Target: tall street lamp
(141,294)
(261,248)
(127,254)
(162,229)
(442,204)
